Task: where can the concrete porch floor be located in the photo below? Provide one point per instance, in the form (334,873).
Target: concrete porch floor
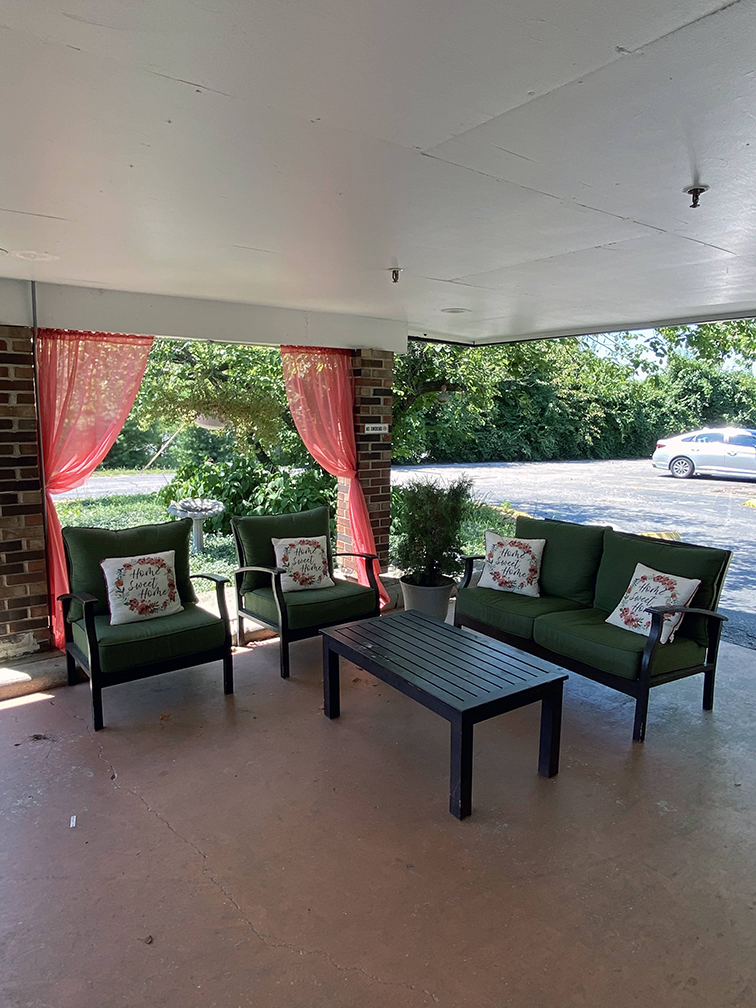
(245,851)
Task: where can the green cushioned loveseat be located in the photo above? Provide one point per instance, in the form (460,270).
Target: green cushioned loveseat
(584,573)
(110,655)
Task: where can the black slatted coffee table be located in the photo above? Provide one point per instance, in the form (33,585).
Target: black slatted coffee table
(458,674)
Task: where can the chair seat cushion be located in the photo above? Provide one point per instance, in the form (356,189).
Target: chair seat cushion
(585,636)
(506,611)
(343,602)
(129,645)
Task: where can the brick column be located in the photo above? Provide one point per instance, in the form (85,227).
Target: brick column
(373,378)
(24,606)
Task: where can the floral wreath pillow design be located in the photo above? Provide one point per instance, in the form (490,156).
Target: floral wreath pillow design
(305,562)
(512,565)
(647,588)
(141,587)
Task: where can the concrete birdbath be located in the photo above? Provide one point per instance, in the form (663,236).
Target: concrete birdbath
(198,509)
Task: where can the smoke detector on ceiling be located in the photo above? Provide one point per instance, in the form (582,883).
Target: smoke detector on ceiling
(455,311)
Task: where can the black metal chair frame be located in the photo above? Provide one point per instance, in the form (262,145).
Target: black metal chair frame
(282,628)
(98,679)
(639,688)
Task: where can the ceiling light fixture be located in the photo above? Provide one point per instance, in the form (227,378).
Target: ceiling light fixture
(32,256)
(695,191)
(455,311)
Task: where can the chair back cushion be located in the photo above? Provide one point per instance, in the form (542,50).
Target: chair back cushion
(86,548)
(623,550)
(571,556)
(254,533)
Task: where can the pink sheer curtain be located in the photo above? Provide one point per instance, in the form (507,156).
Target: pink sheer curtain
(87,386)
(321,398)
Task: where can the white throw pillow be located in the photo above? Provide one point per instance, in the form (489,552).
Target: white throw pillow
(514,565)
(647,588)
(305,562)
(141,587)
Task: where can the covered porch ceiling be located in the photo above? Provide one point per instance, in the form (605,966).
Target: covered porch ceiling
(524,161)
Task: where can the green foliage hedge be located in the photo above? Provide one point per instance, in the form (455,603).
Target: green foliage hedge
(554,399)
(247,487)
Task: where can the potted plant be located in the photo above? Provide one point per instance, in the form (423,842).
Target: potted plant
(429,542)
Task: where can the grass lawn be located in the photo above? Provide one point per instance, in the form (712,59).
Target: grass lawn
(125,510)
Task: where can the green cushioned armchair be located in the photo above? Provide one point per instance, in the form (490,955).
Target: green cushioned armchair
(299,614)
(109,655)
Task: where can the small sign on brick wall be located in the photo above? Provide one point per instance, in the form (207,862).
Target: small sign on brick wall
(376,428)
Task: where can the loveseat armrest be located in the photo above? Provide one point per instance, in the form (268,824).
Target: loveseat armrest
(369,566)
(715,621)
(220,592)
(469,561)
(688,609)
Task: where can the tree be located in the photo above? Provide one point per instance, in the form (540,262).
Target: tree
(242,386)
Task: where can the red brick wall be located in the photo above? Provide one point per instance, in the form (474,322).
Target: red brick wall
(24,612)
(373,378)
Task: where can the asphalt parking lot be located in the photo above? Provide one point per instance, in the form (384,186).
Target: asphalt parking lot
(634,497)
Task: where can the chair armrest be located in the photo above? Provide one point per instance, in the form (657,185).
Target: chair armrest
(467,578)
(263,570)
(687,609)
(369,559)
(84,597)
(217,578)
(220,593)
(275,574)
(87,603)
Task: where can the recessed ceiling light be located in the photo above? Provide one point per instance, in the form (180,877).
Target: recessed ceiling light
(32,256)
(455,311)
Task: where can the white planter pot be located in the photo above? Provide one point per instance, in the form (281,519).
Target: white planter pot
(430,601)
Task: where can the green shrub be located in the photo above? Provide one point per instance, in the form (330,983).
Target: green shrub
(478,516)
(247,487)
(429,520)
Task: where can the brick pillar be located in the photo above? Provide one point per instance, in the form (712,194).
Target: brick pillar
(24,606)
(373,378)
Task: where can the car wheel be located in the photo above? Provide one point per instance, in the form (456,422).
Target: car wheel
(681,468)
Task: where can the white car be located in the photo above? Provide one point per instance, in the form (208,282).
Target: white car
(722,451)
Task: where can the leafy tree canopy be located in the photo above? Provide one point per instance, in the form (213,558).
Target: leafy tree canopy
(239,385)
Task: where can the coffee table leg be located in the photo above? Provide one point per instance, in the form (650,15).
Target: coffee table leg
(551,730)
(331,699)
(460,779)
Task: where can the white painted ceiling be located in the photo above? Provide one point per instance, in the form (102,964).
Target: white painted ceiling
(522,159)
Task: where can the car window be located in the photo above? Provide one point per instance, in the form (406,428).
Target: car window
(748,440)
(711,436)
